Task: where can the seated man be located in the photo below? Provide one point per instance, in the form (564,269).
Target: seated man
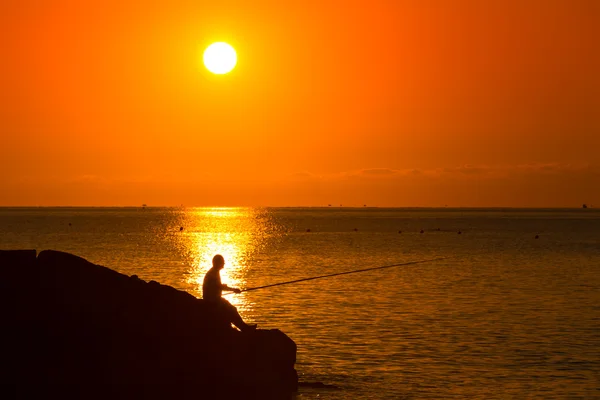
(212,288)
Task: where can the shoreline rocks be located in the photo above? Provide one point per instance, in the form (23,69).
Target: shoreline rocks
(76,329)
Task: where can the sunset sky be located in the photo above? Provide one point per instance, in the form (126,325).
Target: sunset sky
(379,102)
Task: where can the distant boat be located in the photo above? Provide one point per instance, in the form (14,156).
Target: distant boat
(584,206)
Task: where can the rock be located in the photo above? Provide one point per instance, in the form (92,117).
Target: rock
(17,265)
(74,329)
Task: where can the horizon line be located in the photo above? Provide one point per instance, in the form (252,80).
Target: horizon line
(589,206)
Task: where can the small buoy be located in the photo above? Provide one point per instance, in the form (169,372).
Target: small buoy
(438,229)
(308,230)
(460,232)
(355,229)
(399,231)
(69,224)
(537,236)
(180,228)
(422,231)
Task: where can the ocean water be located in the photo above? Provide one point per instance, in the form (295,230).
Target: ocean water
(504,315)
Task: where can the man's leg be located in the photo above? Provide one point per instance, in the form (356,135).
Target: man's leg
(235,318)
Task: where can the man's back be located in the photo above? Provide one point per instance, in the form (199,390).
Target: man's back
(212,287)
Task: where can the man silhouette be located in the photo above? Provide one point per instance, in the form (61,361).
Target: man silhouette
(212,289)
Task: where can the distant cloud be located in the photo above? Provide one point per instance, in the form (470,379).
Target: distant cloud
(467,171)
(375,173)
(553,168)
(379,171)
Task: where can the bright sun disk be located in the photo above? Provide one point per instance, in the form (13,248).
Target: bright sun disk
(220,58)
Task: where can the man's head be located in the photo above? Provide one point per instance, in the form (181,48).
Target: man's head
(218,261)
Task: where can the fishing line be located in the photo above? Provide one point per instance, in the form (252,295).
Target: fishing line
(345,273)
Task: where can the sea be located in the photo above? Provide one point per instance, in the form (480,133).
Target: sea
(473,304)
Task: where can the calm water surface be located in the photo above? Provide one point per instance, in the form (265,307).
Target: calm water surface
(507,316)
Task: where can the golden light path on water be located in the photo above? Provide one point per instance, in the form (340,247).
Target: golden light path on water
(235,233)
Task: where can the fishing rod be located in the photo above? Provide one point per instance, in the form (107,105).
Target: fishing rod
(344,273)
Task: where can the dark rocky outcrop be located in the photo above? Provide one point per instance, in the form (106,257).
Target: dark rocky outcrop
(77,330)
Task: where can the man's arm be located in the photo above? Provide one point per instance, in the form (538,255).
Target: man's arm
(234,290)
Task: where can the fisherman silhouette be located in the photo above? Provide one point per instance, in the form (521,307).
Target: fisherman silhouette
(212,288)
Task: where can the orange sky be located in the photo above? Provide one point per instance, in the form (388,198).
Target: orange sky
(379,102)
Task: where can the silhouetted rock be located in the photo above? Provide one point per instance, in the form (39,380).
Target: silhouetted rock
(74,329)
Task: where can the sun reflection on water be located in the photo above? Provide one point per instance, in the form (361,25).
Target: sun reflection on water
(235,233)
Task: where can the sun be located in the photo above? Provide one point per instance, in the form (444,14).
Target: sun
(220,58)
